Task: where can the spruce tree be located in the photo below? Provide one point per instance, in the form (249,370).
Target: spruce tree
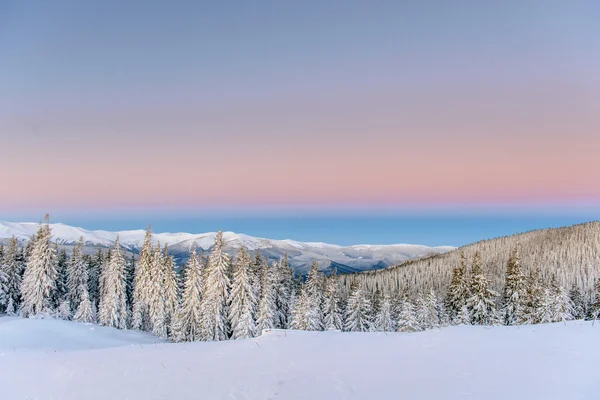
(481,303)
(85,311)
(142,288)
(407,320)
(562,307)
(358,311)
(171,291)
(12,266)
(384,321)
(216,293)
(39,281)
(188,326)
(157,306)
(514,291)
(113,303)
(533,312)
(332,312)
(61,281)
(77,276)
(243,303)
(458,291)
(267,311)
(577,302)
(283,279)
(595,308)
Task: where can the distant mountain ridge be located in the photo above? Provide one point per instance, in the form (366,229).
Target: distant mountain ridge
(301,254)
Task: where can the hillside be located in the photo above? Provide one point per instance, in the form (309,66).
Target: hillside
(571,253)
(554,361)
(301,254)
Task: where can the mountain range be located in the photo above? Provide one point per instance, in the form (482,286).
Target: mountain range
(345,259)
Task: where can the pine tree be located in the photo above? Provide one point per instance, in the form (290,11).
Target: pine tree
(358,311)
(284,276)
(243,304)
(85,311)
(113,303)
(4,297)
(156,306)
(216,293)
(96,263)
(39,280)
(595,308)
(384,321)
(130,281)
(533,312)
(61,281)
(562,307)
(407,320)
(142,288)
(332,312)
(514,291)
(12,265)
(310,315)
(481,303)
(188,326)
(425,312)
(267,311)
(458,291)
(77,276)
(64,310)
(577,302)
(171,291)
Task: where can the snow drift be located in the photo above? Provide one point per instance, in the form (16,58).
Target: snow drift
(555,361)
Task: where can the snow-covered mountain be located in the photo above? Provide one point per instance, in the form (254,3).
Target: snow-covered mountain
(301,254)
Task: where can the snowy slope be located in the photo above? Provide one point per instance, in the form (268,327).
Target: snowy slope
(546,362)
(301,254)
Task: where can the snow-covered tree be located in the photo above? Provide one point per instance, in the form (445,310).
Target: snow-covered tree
(534,309)
(458,291)
(358,311)
(425,312)
(96,263)
(333,318)
(481,303)
(39,281)
(156,306)
(170,291)
(61,279)
(86,311)
(384,321)
(267,309)
(3,290)
(514,291)
(216,293)
(407,318)
(12,267)
(309,311)
(77,276)
(64,310)
(595,308)
(188,326)
(282,285)
(577,302)
(113,303)
(562,308)
(243,304)
(143,283)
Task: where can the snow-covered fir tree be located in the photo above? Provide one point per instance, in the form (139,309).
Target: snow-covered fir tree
(38,289)
(113,304)
(267,310)
(216,293)
(333,317)
(130,280)
(577,302)
(282,285)
(514,291)
(533,310)
(64,310)
(157,307)
(481,303)
(310,315)
(562,308)
(61,272)
(85,311)
(12,266)
(384,321)
(188,325)
(407,318)
(595,307)
(3,290)
(358,311)
(77,276)
(243,304)
(171,291)
(143,283)
(458,291)
(95,265)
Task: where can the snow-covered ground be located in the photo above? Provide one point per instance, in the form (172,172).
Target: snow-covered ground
(48,359)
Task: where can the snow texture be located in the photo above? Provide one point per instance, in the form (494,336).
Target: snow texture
(51,359)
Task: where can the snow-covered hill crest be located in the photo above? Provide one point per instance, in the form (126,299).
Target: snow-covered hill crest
(301,254)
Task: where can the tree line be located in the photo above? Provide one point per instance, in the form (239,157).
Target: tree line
(222,297)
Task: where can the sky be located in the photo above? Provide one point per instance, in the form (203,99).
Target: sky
(110,109)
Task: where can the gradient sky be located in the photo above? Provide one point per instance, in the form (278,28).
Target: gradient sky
(125,104)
